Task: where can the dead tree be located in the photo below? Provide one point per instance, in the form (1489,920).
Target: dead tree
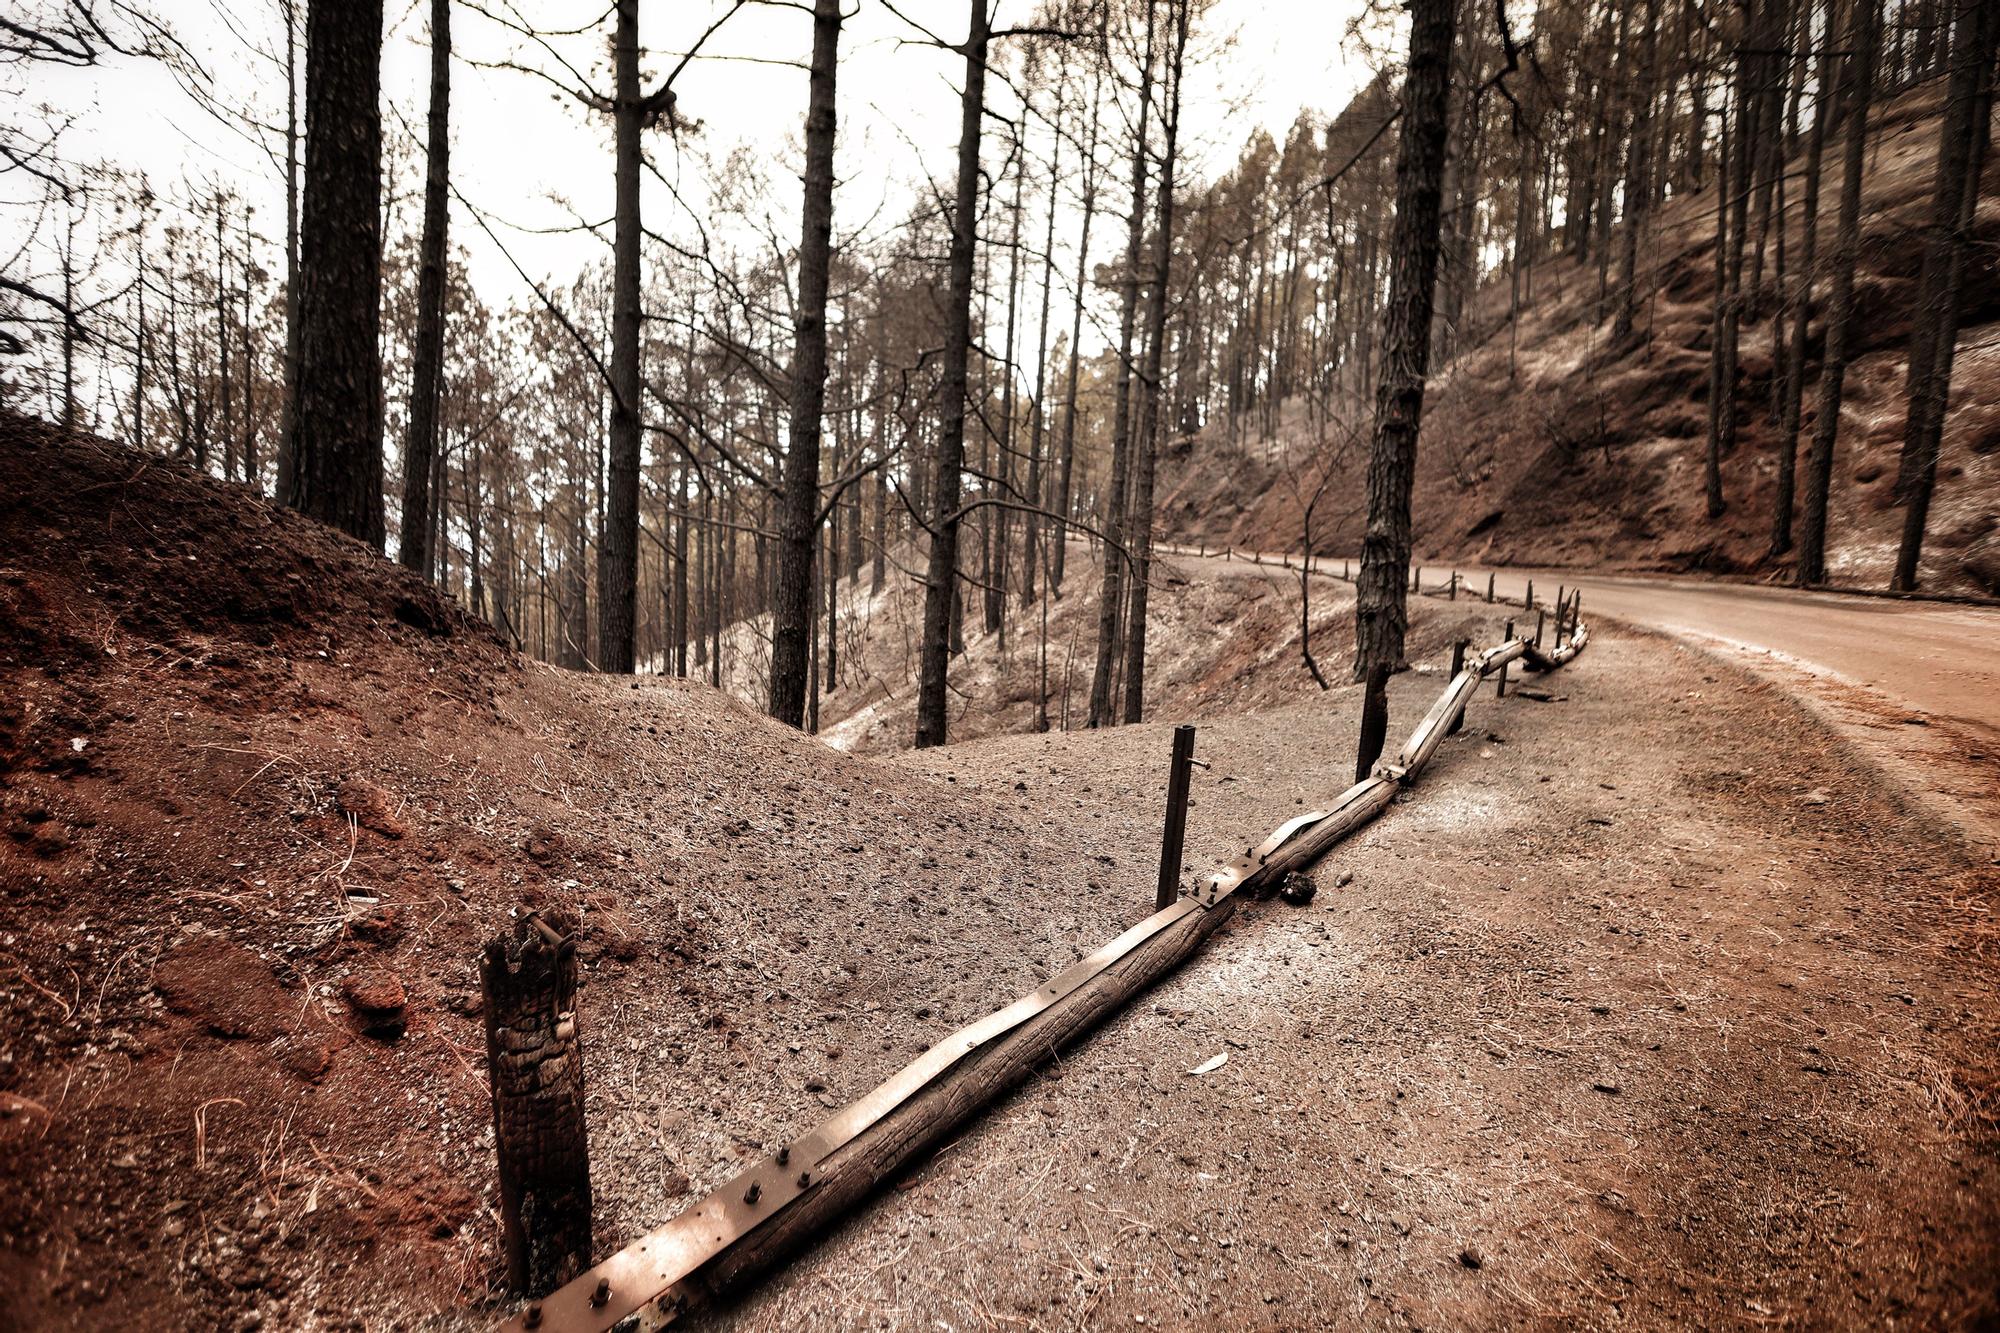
(427,372)
(941,568)
(798,521)
(1381,616)
(1947,240)
(1840,309)
(337,430)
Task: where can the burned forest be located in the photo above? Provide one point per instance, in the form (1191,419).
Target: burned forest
(999,664)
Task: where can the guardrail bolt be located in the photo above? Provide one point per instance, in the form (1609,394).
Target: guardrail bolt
(805,1179)
(1173,837)
(602,1295)
(784,1155)
(754,1193)
(535,1060)
(531,1317)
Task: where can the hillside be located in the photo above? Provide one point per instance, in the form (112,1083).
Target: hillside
(1545,445)
(252,776)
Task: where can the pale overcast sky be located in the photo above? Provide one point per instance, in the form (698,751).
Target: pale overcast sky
(517,146)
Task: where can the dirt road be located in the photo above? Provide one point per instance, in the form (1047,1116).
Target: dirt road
(1617,1022)
(1915,684)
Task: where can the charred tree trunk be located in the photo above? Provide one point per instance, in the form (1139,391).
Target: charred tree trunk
(1947,239)
(941,568)
(1638,180)
(618,541)
(1111,600)
(1840,310)
(1065,466)
(798,522)
(288,410)
(337,432)
(1152,417)
(1802,286)
(427,374)
(1381,616)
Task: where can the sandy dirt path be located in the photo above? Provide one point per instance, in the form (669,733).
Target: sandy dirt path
(1650,1006)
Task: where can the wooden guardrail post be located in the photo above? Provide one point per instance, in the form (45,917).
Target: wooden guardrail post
(1452,592)
(1528,602)
(1173,837)
(1500,689)
(536,1062)
(1540,616)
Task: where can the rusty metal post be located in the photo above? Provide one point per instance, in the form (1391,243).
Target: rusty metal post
(535,1058)
(1174,836)
(1500,690)
(1457,665)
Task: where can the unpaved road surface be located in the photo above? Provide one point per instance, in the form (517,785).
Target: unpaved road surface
(1939,658)
(1650,1007)
(1915,684)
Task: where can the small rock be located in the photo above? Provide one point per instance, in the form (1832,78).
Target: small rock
(1471,1257)
(377,997)
(368,805)
(1606,1086)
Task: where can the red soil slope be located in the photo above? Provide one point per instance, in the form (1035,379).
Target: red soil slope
(253,778)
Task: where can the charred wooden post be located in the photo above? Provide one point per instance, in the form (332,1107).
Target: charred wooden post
(1562,600)
(1457,665)
(1500,689)
(1489,588)
(1540,616)
(1346,575)
(536,1062)
(1452,591)
(1374,721)
(1174,836)
(1528,602)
